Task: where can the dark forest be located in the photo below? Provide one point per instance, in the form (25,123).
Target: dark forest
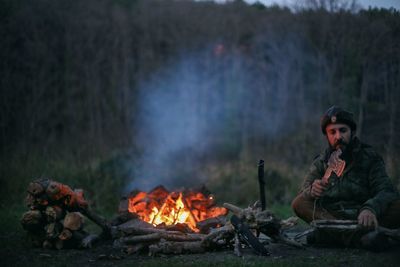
(113,95)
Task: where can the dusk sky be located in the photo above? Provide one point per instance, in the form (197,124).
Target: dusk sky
(363,3)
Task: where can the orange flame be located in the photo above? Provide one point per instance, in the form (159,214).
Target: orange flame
(162,207)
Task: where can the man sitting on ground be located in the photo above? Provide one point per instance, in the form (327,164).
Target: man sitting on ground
(362,191)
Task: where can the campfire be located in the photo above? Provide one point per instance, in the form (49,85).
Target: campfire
(155,222)
(160,207)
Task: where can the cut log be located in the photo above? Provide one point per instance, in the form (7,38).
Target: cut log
(352,225)
(72,199)
(180,227)
(170,247)
(38,187)
(123,217)
(59,244)
(65,234)
(97,219)
(134,248)
(131,240)
(289,222)
(161,235)
(138,227)
(89,240)
(53,230)
(54,213)
(47,244)
(33,220)
(233,208)
(214,222)
(73,221)
(219,237)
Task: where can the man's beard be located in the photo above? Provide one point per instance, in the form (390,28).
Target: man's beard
(344,147)
(340,144)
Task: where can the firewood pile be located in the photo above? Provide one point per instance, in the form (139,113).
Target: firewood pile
(55,217)
(136,236)
(265,222)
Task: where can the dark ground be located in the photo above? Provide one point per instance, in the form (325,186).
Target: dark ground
(16,250)
(105,255)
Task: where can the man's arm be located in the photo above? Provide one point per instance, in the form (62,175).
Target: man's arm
(382,190)
(315,173)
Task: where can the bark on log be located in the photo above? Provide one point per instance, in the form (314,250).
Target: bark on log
(123,217)
(233,208)
(161,235)
(100,221)
(89,240)
(353,225)
(65,234)
(53,230)
(135,248)
(54,213)
(47,244)
(33,220)
(219,237)
(214,222)
(59,244)
(138,227)
(170,247)
(38,187)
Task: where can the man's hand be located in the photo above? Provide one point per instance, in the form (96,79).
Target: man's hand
(317,188)
(367,218)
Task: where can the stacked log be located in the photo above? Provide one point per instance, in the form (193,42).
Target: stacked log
(55,219)
(137,236)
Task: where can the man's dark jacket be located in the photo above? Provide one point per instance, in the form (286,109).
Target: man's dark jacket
(363,185)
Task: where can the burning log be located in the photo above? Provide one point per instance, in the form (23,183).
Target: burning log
(162,208)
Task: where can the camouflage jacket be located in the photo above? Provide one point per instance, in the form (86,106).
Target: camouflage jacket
(363,185)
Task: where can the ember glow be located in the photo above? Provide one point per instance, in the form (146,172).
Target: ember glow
(160,207)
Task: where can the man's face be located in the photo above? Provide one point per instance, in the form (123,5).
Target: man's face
(339,136)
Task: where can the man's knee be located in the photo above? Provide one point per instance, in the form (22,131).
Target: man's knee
(301,205)
(391,216)
(296,203)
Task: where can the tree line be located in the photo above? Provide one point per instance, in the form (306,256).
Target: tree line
(73,75)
